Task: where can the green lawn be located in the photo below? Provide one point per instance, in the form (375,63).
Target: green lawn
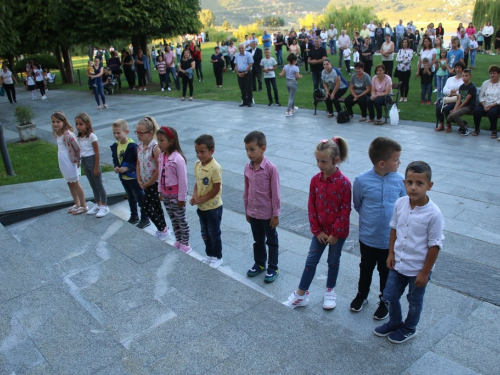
(411,110)
(33,161)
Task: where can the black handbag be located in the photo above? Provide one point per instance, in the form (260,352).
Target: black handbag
(396,74)
(343,117)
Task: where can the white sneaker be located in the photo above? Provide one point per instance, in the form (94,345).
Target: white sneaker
(288,114)
(93,210)
(103,211)
(296,301)
(295,109)
(145,89)
(162,236)
(435,90)
(329,298)
(162,89)
(207,259)
(44,97)
(169,89)
(216,262)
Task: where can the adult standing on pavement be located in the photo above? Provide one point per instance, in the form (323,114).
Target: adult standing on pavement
(343,42)
(335,87)
(316,57)
(387,52)
(98,86)
(140,66)
(400,32)
(8,80)
(278,46)
(332,39)
(489,102)
(243,62)
(256,68)
(169,58)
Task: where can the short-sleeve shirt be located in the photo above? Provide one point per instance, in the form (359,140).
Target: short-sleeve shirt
(317,54)
(169,56)
(290,71)
(242,61)
(360,85)
(427,54)
(146,159)
(454,56)
(465,90)
(220,60)
(206,177)
(266,64)
(329,79)
(86,145)
(7,77)
(380,87)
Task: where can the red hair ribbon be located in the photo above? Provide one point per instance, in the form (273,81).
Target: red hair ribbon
(336,140)
(168,131)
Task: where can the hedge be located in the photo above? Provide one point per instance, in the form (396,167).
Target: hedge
(47,62)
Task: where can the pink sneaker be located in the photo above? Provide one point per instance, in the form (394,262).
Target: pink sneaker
(177,245)
(185,248)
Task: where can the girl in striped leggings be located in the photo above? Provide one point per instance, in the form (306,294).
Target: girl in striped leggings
(172,184)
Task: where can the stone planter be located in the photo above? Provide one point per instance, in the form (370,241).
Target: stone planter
(27,132)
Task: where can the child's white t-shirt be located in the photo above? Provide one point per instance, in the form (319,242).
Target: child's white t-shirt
(86,145)
(38,75)
(31,81)
(266,64)
(347,54)
(355,56)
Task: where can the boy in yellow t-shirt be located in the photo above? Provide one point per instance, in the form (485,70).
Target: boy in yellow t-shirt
(207,195)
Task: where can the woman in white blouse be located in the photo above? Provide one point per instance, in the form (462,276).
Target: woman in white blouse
(324,37)
(489,102)
(488,34)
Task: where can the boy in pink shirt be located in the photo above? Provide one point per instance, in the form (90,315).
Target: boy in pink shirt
(262,198)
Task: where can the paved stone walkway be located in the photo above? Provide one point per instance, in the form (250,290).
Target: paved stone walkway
(100,296)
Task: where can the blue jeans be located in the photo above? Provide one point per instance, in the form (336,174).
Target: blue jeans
(171,71)
(333,46)
(323,44)
(210,231)
(317,81)
(426,89)
(473,58)
(394,289)
(440,82)
(99,91)
(315,252)
(135,195)
(263,234)
(279,57)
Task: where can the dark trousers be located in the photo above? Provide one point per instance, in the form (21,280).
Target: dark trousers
(375,105)
(130,76)
(135,196)
(371,257)
(335,102)
(218,75)
(141,75)
(349,103)
(163,80)
(257,77)
(245,84)
(404,78)
(493,114)
(41,86)
(487,42)
(347,66)
(210,231)
(389,66)
(272,82)
(466,59)
(11,91)
(441,115)
(317,82)
(185,82)
(152,206)
(425,90)
(198,69)
(368,67)
(305,58)
(263,234)
(226,60)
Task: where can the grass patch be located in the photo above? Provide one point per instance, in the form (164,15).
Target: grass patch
(411,110)
(33,161)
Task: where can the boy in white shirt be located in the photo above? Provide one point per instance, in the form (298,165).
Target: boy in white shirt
(347,59)
(355,55)
(268,65)
(415,240)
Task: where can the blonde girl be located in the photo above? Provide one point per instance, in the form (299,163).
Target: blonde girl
(68,154)
(91,163)
(147,173)
(172,188)
(329,209)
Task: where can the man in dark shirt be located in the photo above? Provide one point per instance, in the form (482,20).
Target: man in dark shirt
(316,57)
(256,68)
(278,45)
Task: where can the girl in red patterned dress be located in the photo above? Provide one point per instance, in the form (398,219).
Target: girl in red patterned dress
(329,209)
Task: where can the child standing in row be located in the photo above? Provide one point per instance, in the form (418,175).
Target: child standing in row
(68,154)
(30,81)
(207,195)
(91,163)
(425,75)
(262,198)
(124,153)
(415,240)
(375,192)
(329,209)
(147,173)
(441,73)
(172,188)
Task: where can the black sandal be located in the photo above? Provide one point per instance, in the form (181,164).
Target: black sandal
(330,115)
(475,133)
(493,135)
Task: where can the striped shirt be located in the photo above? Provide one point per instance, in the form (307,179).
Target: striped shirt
(161,67)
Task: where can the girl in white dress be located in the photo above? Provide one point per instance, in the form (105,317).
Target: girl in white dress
(68,154)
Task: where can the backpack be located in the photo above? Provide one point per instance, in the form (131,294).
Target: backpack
(343,117)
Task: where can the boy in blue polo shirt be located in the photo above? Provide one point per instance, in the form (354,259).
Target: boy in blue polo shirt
(374,194)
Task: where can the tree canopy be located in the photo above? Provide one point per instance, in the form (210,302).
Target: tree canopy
(484,11)
(207,18)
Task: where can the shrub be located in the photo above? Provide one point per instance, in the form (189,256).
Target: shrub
(24,114)
(47,62)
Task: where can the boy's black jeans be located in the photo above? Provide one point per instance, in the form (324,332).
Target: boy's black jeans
(371,257)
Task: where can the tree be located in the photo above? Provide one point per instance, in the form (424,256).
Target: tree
(207,18)
(484,11)
(273,21)
(9,36)
(225,25)
(349,19)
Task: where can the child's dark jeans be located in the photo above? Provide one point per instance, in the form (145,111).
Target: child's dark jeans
(210,231)
(135,196)
(263,234)
(426,89)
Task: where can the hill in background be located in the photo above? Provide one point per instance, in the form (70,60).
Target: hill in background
(243,12)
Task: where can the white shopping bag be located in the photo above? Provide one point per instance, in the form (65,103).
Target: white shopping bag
(394,114)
